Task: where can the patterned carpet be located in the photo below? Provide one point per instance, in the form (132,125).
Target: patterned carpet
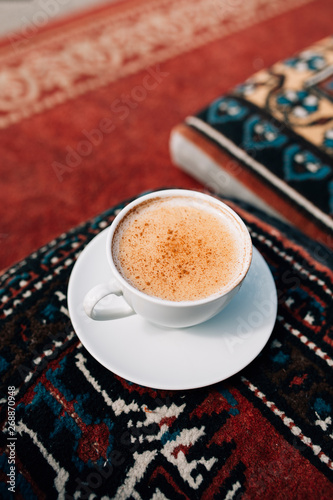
(86,110)
(81,430)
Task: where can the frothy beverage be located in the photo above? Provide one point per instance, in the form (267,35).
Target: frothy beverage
(180,248)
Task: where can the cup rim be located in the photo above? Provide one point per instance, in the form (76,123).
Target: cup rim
(177,192)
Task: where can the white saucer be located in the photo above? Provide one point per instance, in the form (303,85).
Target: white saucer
(172,359)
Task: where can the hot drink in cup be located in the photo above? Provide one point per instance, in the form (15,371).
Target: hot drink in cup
(177,256)
(180,248)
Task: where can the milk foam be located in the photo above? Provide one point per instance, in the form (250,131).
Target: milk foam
(179,248)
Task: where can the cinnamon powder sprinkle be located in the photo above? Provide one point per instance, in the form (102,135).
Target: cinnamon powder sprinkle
(177,252)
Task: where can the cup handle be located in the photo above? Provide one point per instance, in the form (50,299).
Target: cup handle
(119,309)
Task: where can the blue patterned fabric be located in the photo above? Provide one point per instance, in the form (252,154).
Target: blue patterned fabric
(278,125)
(80,431)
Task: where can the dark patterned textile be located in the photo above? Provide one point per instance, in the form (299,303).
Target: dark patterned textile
(279,125)
(73,429)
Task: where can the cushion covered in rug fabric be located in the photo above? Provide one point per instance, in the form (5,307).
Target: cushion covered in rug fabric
(81,430)
(270,140)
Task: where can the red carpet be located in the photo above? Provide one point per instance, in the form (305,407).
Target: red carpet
(87,105)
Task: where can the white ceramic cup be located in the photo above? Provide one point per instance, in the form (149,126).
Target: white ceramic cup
(166,313)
